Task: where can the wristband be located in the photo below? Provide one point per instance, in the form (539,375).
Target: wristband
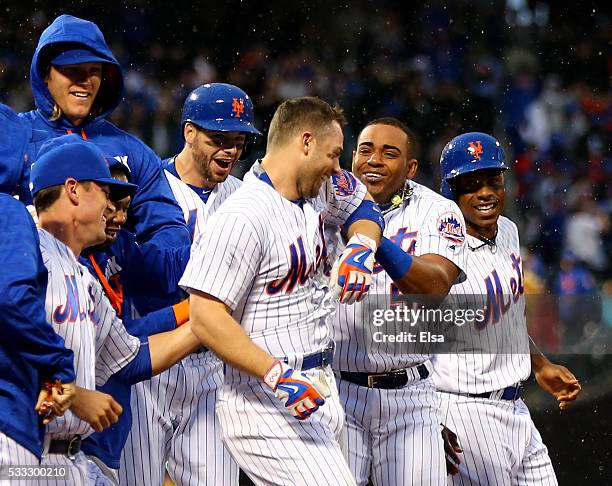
(181,312)
(393,259)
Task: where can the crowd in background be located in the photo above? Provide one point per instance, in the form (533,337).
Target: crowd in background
(536,75)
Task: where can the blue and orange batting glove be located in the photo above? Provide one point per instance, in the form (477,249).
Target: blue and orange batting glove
(297,392)
(351,276)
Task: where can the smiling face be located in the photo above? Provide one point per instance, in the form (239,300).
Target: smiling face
(382,160)
(322,161)
(481,196)
(214,153)
(74,88)
(93,203)
(116,215)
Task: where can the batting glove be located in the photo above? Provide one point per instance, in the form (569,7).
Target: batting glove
(296,391)
(351,276)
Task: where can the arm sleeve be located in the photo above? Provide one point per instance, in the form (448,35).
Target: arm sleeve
(444,234)
(23,283)
(153,323)
(343,195)
(139,369)
(155,216)
(225,260)
(115,348)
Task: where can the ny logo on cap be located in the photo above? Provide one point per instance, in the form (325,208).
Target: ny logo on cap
(475,149)
(238,107)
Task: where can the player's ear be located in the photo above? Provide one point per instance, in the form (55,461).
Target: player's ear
(71,187)
(189,133)
(307,141)
(413,165)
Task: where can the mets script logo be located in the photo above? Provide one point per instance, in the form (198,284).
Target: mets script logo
(299,270)
(238,107)
(449,226)
(71,309)
(345,184)
(498,301)
(475,150)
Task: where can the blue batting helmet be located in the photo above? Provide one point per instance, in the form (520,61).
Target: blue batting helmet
(220,107)
(224,108)
(467,153)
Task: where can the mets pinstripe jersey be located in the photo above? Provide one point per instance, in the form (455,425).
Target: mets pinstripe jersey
(262,255)
(175,427)
(196,202)
(500,442)
(427,223)
(495,285)
(80,313)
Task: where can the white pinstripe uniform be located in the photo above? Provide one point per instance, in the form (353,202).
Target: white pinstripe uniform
(13,453)
(393,435)
(500,443)
(262,255)
(78,310)
(174,422)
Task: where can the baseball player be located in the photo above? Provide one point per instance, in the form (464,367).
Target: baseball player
(176,426)
(117,264)
(71,184)
(257,297)
(481,387)
(77,83)
(392,415)
(31,353)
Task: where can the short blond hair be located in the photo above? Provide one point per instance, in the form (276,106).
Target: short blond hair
(306,113)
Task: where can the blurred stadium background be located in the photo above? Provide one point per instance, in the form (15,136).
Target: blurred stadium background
(537,74)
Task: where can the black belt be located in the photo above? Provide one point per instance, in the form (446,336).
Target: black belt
(69,447)
(319,359)
(510,393)
(385,381)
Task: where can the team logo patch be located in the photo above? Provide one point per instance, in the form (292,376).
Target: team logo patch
(345,184)
(449,226)
(238,107)
(475,150)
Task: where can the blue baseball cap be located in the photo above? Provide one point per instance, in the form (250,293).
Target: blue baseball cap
(77,56)
(70,156)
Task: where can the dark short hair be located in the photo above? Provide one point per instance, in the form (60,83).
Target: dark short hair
(297,114)
(413,143)
(45,198)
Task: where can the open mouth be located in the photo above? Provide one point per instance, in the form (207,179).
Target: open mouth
(373,176)
(486,209)
(224,165)
(82,95)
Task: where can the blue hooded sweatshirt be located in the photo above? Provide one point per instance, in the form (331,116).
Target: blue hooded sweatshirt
(30,351)
(154,214)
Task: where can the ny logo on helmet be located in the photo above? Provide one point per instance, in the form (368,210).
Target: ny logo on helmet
(238,107)
(475,149)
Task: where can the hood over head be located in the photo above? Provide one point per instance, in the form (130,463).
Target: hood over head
(71,35)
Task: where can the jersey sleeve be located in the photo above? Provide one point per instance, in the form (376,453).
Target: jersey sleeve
(115,348)
(343,195)
(23,283)
(225,260)
(444,234)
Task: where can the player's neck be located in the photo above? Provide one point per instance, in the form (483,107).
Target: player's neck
(282,174)
(61,229)
(187,171)
(480,232)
